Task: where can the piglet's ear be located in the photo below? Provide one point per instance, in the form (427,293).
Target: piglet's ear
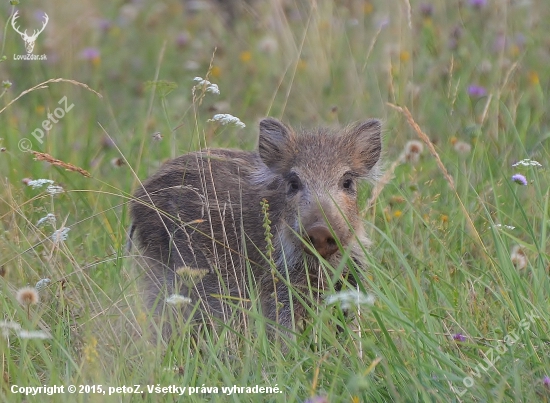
(273,143)
(366,138)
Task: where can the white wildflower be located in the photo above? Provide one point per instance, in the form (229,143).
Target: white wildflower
(518,258)
(36,183)
(54,189)
(176,299)
(510,227)
(226,118)
(268,45)
(49,219)
(527,163)
(6,326)
(43,283)
(209,87)
(128,13)
(33,334)
(350,298)
(191,65)
(60,234)
(462,148)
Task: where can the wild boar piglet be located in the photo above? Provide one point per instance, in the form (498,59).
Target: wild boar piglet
(199,225)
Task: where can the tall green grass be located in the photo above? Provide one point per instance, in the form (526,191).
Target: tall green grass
(450,297)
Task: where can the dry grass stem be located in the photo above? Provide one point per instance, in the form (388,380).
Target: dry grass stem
(54,161)
(424,137)
(386,178)
(45,85)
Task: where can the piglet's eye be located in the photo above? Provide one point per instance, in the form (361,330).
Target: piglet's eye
(294,184)
(347,184)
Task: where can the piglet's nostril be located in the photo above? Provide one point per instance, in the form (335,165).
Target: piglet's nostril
(322,240)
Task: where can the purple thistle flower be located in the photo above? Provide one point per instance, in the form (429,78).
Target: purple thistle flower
(520,40)
(520,179)
(477,91)
(317,399)
(39,15)
(500,42)
(182,39)
(459,337)
(104,24)
(90,53)
(426,9)
(456,32)
(546,381)
(478,3)
(383,23)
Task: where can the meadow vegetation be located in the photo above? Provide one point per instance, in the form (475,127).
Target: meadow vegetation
(459,266)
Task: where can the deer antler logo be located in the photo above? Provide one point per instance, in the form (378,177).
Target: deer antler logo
(29,40)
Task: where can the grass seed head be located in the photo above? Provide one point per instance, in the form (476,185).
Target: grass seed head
(191,274)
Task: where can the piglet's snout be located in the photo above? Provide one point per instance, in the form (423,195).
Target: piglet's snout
(322,240)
